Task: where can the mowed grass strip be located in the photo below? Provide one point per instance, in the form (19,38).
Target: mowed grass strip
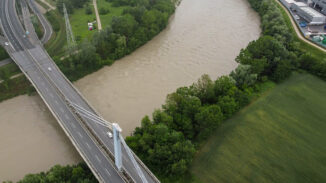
(281,137)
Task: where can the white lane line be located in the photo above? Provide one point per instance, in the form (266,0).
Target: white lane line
(107,171)
(98,159)
(80,135)
(73,125)
(88,146)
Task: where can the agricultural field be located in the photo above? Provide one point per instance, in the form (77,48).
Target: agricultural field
(278,138)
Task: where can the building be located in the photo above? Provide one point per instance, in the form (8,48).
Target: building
(287,3)
(312,16)
(319,5)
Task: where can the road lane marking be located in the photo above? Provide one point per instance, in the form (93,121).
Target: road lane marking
(98,159)
(80,135)
(107,171)
(89,147)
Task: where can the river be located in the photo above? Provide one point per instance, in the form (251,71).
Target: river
(204,36)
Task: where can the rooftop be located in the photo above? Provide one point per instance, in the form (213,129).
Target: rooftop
(312,12)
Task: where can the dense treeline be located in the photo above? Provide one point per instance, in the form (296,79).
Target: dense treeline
(192,113)
(140,21)
(76,173)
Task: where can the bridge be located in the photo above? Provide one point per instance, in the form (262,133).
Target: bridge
(110,159)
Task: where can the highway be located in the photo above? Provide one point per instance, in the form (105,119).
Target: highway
(89,138)
(86,146)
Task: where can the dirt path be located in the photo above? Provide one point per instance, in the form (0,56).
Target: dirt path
(48,4)
(297,30)
(99,25)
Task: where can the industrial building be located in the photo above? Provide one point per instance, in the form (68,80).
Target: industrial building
(312,16)
(319,5)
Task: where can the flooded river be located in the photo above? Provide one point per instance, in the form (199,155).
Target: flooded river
(204,36)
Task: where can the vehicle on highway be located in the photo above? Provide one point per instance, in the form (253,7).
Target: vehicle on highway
(6,43)
(110,135)
(49,68)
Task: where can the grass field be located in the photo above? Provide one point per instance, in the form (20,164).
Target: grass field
(278,138)
(113,11)
(79,20)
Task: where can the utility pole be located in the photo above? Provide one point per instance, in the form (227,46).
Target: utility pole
(71,43)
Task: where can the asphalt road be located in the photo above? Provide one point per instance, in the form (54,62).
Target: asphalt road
(87,147)
(54,88)
(46,25)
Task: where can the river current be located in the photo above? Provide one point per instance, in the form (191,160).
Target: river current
(203,37)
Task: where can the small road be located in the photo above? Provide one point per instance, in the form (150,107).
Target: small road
(45,24)
(5,62)
(98,19)
(48,4)
(297,30)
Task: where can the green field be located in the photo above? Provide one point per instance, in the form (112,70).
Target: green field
(279,138)
(79,20)
(113,11)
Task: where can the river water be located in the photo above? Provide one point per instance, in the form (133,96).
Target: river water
(204,36)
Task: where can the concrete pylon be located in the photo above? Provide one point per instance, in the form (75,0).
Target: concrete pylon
(117,145)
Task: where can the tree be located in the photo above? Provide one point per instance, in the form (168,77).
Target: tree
(207,120)
(243,76)
(88,10)
(204,89)
(124,25)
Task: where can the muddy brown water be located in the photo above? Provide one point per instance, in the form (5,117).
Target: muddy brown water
(204,36)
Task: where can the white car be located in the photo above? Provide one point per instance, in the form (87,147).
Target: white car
(49,68)
(110,135)
(6,43)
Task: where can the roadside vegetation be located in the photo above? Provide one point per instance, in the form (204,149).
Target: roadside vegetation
(190,115)
(279,138)
(3,54)
(74,173)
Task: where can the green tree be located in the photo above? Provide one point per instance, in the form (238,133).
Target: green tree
(243,76)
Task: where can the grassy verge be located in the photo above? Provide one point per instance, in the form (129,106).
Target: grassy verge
(55,46)
(37,26)
(279,138)
(11,68)
(17,86)
(3,54)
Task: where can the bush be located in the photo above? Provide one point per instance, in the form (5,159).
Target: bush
(104,11)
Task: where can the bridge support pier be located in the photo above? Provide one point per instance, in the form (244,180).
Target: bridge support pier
(117,145)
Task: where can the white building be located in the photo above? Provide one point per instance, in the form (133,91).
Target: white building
(312,16)
(288,3)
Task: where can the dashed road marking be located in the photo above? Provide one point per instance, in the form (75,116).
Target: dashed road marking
(107,171)
(98,159)
(89,147)
(80,135)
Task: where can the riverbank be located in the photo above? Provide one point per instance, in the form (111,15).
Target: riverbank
(202,37)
